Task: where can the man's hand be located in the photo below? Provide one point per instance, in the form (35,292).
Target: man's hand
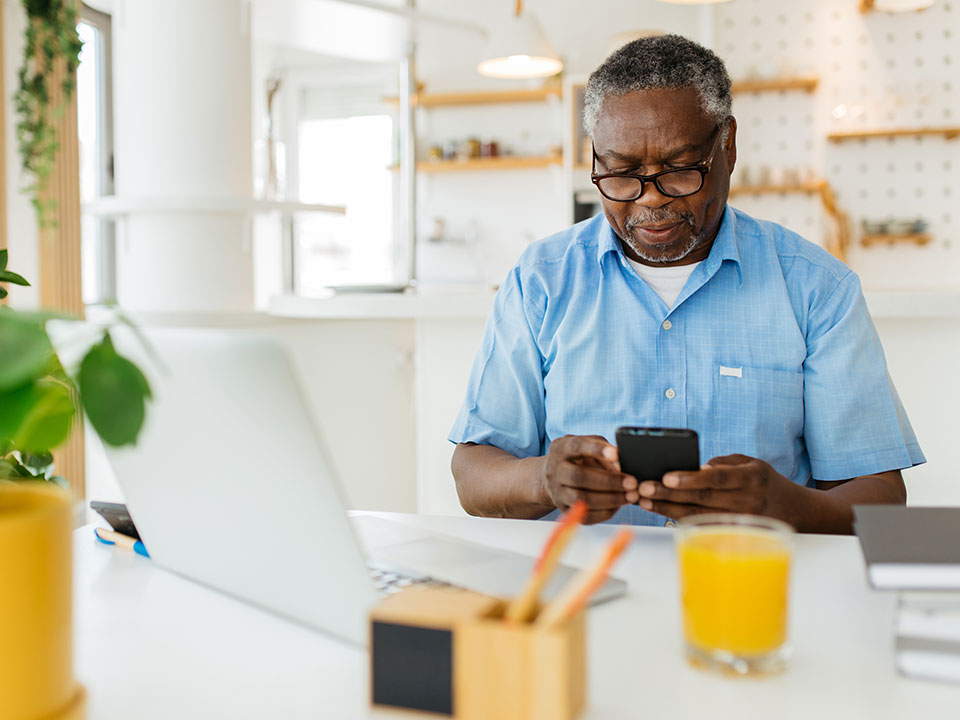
(586,467)
(732,483)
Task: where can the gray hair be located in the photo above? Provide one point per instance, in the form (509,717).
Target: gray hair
(663,61)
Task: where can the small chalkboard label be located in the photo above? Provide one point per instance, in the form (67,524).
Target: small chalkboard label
(412,667)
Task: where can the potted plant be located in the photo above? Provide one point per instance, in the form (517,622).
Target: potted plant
(39,400)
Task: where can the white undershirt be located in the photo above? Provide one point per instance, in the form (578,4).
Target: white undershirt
(667,282)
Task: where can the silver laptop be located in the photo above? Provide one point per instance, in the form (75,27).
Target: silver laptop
(229,486)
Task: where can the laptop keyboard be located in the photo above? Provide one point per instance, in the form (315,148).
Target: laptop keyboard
(388,581)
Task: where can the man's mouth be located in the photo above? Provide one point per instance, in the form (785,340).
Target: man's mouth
(657,233)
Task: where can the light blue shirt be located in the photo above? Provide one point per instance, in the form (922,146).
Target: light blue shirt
(769,351)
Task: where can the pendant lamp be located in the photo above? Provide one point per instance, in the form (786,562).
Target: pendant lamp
(520,49)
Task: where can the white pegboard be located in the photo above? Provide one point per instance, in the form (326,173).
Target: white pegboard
(885,70)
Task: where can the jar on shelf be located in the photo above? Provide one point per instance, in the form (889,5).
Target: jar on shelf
(472,147)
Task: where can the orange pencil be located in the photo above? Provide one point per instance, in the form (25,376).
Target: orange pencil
(584,584)
(522,607)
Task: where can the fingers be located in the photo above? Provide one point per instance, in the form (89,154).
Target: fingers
(715,477)
(705,497)
(588,448)
(586,467)
(673,510)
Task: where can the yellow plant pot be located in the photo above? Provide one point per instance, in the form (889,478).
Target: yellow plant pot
(36,653)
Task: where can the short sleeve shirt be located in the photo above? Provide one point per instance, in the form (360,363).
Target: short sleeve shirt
(769,351)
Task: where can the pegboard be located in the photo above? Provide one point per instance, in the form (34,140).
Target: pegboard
(875,70)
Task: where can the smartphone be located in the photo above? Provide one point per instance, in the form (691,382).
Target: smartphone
(116,514)
(649,452)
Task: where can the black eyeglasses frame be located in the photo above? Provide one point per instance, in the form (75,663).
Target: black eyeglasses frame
(702,167)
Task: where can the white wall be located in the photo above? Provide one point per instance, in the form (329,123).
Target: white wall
(923,355)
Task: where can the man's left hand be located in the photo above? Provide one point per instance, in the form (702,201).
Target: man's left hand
(732,483)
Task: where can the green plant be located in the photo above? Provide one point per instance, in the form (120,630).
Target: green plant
(51,38)
(39,399)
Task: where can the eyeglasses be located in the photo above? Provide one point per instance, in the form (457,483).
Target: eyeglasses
(675,183)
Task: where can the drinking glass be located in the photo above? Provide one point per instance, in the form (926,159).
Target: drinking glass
(734,588)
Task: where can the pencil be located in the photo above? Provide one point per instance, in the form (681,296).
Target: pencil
(584,584)
(109,537)
(522,608)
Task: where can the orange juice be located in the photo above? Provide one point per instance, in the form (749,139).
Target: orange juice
(734,588)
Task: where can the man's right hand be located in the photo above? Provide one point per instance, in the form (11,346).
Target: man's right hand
(586,467)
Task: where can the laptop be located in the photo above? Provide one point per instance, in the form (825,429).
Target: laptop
(229,485)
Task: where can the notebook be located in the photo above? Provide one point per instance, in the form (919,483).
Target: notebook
(910,548)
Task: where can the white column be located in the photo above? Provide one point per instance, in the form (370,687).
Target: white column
(182,74)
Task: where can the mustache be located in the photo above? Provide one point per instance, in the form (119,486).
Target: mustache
(657,216)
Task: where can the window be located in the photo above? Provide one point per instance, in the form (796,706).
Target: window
(346,161)
(341,149)
(98,263)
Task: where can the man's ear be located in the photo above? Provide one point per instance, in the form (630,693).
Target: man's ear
(730,147)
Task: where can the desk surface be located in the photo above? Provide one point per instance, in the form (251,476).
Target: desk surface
(150,644)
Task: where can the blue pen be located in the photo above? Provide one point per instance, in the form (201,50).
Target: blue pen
(109,537)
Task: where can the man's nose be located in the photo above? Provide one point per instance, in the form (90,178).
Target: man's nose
(651,196)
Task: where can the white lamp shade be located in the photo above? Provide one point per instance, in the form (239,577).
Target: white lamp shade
(519,49)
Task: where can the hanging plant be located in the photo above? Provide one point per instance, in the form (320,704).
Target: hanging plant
(51,42)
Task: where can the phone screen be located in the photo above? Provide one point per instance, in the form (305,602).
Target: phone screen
(649,452)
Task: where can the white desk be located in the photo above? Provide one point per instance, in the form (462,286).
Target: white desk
(152,645)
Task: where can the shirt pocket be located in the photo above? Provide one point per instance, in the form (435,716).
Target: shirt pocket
(759,412)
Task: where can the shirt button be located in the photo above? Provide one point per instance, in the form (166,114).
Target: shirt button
(670,393)
(667,324)
(669,523)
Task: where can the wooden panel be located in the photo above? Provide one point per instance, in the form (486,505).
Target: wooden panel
(949,133)
(807,84)
(482,97)
(507,162)
(894,238)
(59,258)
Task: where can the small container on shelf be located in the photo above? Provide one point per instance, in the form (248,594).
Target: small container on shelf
(490,148)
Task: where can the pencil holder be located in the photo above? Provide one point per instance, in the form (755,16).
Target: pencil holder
(450,652)
(36,680)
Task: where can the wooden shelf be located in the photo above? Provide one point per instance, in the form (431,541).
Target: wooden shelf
(808,187)
(807,84)
(490,97)
(503,162)
(949,133)
(894,238)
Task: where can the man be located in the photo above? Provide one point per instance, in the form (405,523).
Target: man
(676,310)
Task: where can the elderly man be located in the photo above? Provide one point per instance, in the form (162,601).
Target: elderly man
(673,309)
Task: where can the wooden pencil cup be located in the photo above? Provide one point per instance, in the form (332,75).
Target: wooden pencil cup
(449,652)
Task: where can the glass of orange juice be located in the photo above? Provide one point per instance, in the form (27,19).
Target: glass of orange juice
(734,588)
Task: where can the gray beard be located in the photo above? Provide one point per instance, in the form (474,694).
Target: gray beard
(652,217)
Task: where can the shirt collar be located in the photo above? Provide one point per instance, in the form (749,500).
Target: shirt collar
(725,246)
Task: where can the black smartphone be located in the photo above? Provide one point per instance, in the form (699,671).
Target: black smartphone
(116,514)
(649,452)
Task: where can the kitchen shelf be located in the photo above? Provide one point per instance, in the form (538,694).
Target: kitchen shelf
(504,162)
(808,187)
(949,132)
(119,206)
(895,238)
(482,97)
(807,84)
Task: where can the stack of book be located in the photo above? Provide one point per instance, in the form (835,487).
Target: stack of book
(916,552)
